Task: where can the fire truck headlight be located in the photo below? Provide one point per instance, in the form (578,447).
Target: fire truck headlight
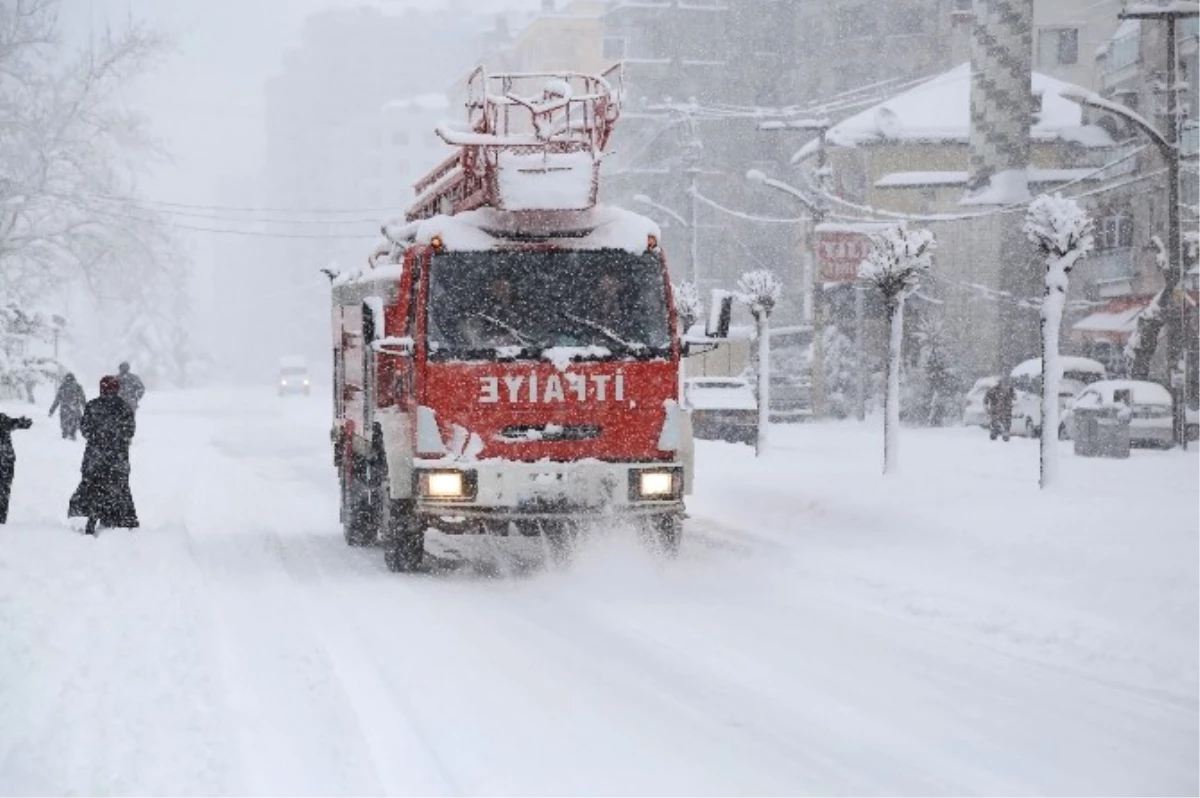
(448,484)
(655,484)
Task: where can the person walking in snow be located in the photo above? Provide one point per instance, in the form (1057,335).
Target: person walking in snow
(8,458)
(998,402)
(131,387)
(103,496)
(69,401)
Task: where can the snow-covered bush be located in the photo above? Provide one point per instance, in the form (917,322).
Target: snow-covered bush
(895,263)
(759,290)
(24,361)
(1062,232)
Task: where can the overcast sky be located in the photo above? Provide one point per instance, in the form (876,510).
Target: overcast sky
(205,101)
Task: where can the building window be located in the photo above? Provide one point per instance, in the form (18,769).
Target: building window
(400,137)
(1114,232)
(1058,46)
(614,47)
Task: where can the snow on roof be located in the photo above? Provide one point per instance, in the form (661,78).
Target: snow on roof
(1124,321)
(952,178)
(602,227)
(940,110)
(1033,366)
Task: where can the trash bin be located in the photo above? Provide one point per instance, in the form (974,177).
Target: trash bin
(1102,431)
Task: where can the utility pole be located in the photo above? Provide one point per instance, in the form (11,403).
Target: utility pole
(692,153)
(817,209)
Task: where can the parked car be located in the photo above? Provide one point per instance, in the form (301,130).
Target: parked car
(974,413)
(1078,373)
(293,375)
(722,408)
(1149,405)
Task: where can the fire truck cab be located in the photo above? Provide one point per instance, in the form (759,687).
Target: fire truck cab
(508,361)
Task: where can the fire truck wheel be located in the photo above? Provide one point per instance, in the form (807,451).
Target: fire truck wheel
(404,541)
(561,539)
(667,531)
(359,523)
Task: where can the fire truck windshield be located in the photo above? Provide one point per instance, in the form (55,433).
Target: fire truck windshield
(524,302)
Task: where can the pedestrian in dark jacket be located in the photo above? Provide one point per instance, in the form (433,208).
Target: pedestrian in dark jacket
(999,404)
(69,402)
(132,389)
(103,496)
(8,458)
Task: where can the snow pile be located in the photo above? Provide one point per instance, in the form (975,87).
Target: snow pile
(545,181)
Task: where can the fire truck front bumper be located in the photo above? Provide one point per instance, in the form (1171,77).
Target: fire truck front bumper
(511,490)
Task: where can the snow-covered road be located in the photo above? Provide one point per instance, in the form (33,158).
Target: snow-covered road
(824,631)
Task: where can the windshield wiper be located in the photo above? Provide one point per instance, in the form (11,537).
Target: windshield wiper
(508,328)
(628,347)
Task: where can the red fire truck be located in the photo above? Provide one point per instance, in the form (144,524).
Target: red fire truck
(508,361)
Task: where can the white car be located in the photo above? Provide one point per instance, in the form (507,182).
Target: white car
(1078,373)
(293,375)
(975,414)
(722,408)
(1150,422)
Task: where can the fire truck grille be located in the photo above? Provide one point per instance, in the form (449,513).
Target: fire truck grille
(550,432)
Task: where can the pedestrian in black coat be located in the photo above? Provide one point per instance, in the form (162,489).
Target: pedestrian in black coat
(131,388)
(8,458)
(103,495)
(69,401)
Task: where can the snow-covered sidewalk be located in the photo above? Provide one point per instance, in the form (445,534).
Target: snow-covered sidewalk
(826,629)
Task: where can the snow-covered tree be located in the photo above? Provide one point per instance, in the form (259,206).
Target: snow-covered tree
(759,290)
(895,263)
(69,145)
(1062,232)
(688,305)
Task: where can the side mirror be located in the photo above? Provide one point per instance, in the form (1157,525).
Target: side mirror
(395,347)
(691,347)
(719,312)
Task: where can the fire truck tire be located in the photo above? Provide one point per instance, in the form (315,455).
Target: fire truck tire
(667,532)
(404,540)
(359,519)
(561,539)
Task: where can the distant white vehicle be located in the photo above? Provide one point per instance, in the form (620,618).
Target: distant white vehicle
(1149,404)
(293,375)
(722,408)
(975,414)
(1078,373)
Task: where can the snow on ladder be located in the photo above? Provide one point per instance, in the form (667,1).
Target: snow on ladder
(534,142)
